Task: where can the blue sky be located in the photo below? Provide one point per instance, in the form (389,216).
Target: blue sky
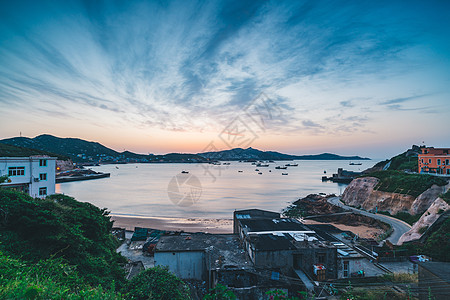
(351,77)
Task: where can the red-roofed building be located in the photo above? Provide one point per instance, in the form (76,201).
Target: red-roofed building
(434,160)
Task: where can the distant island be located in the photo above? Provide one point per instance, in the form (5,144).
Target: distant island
(82,151)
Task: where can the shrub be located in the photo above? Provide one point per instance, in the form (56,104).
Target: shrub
(156,283)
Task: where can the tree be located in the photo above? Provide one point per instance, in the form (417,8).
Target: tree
(156,283)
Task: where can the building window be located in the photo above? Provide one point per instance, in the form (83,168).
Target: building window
(447,162)
(422,160)
(43,176)
(42,163)
(429,160)
(346,269)
(16,171)
(42,191)
(438,161)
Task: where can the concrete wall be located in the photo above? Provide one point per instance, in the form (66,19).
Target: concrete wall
(186,265)
(274,259)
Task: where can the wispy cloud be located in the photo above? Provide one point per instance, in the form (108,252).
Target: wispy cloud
(193,66)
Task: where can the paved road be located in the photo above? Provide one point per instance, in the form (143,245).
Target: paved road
(399,226)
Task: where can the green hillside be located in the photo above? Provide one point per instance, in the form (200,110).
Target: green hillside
(59,248)
(403,183)
(15,151)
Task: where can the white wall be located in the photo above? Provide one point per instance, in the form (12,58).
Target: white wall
(186,265)
(32,171)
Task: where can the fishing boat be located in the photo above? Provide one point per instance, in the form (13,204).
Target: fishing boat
(355,164)
(291,165)
(184,172)
(284,173)
(281,168)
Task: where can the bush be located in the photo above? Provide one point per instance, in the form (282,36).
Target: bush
(61,227)
(48,279)
(156,283)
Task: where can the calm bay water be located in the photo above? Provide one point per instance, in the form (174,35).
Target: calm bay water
(141,189)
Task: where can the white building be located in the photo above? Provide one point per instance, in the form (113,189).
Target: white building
(34,175)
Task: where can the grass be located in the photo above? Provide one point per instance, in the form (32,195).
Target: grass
(48,279)
(402,183)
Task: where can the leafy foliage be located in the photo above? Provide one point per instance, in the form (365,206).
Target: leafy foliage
(402,183)
(156,283)
(403,162)
(61,227)
(47,279)
(220,292)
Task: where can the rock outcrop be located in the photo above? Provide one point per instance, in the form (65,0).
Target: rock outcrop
(428,218)
(424,200)
(360,193)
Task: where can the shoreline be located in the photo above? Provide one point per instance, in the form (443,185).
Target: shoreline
(209,225)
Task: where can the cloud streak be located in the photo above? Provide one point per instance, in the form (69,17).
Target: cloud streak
(193,66)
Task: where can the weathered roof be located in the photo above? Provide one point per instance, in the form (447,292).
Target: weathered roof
(255,213)
(278,224)
(271,242)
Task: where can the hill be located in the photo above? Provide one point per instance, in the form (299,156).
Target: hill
(255,154)
(84,151)
(14,151)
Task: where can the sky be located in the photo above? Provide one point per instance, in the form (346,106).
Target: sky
(366,78)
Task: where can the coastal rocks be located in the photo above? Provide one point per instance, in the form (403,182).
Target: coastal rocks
(361,193)
(428,218)
(424,200)
(311,205)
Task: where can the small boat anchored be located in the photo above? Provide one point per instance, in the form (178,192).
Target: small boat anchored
(184,172)
(281,168)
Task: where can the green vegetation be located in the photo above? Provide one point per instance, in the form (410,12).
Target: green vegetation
(446,197)
(47,279)
(403,162)
(402,183)
(61,227)
(59,248)
(220,292)
(437,246)
(156,283)
(15,151)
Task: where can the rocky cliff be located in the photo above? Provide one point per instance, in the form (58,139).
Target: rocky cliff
(360,193)
(428,218)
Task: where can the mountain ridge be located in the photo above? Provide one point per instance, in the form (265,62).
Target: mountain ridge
(87,151)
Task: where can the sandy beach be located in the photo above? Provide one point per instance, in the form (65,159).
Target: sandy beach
(175,224)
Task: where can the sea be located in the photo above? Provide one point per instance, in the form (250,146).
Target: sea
(205,190)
